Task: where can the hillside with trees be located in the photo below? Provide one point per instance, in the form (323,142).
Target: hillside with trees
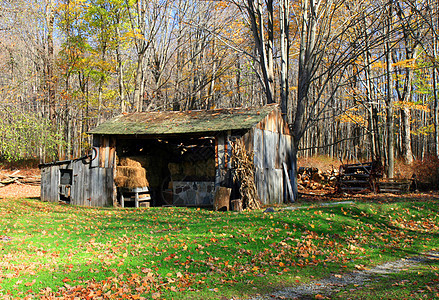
(353,78)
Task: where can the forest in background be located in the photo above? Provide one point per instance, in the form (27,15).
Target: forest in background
(355,79)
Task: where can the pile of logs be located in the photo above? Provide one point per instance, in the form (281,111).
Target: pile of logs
(15,177)
(311,178)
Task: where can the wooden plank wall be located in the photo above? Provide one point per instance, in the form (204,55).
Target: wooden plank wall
(220,160)
(272,146)
(92,182)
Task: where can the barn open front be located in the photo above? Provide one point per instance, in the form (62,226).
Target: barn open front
(176,171)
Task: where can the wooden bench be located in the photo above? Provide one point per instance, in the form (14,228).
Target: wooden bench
(138,195)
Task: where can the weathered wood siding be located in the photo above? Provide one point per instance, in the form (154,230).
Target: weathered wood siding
(92,181)
(272,146)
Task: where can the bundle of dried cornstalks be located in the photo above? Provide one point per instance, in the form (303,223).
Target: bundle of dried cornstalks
(245,175)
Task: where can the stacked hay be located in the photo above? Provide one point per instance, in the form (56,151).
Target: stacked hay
(130,174)
(134,161)
(201,169)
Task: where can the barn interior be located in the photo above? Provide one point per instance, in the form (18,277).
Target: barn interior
(178,171)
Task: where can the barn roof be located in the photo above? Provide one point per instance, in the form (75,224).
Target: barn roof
(175,122)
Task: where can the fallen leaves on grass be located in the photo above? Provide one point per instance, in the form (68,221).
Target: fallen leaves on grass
(165,252)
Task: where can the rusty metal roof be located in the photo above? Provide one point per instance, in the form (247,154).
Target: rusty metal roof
(176,122)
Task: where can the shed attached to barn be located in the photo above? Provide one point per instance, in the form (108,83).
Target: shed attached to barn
(184,157)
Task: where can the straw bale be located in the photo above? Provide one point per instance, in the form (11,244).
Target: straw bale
(131,177)
(129,162)
(210,167)
(199,167)
(136,182)
(174,168)
(131,171)
(189,169)
(135,161)
(120,180)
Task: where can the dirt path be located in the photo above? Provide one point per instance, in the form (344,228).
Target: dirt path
(327,286)
(16,190)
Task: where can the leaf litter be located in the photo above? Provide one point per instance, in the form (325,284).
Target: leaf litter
(324,288)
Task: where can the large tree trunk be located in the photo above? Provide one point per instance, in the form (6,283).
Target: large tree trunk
(50,61)
(389,100)
(284,50)
(256,14)
(138,82)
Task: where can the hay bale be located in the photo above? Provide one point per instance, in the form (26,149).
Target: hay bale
(210,167)
(131,171)
(174,169)
(129,162)
(130,177)
(200,168)
(120,180)
(189,169)
(136,182)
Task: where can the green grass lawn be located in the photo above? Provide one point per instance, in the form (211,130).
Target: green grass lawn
(187,253)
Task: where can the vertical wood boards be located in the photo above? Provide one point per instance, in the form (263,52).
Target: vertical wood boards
(220,159)
(258,150)
(271,150)
(274,122)
(77,183)
(54,182)
(109,199)
(91,186)
(45,179)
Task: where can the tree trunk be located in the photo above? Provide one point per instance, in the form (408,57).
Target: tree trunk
(389,100)
(284,46)
(50,61)
(256,14)
(138,82)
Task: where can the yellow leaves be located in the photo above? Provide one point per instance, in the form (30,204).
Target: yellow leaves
(378,65)
(221,5)
(425,130)
(349,116)
(406,63)
(135,34)
(411,105)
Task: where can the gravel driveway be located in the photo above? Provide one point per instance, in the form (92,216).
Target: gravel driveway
(330,285)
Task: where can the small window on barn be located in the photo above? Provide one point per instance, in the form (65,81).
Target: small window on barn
(65,183)
(66,176)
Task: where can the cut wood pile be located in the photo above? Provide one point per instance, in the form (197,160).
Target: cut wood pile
(313,179)
(16,177)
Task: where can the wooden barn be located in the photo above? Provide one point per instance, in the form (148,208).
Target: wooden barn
(175,158)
